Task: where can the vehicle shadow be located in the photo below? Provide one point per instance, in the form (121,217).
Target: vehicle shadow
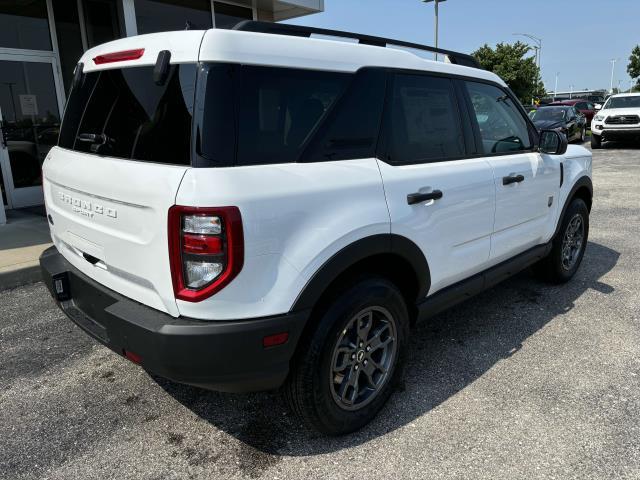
(619,144)
(446,354)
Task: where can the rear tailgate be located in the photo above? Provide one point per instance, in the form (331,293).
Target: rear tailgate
(124,148)
(110,222)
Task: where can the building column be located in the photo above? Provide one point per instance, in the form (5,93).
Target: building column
(129,14)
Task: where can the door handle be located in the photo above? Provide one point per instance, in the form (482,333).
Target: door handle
(418,197)
(508,180)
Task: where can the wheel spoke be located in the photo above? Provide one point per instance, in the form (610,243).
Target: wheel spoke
(364,326)
(345,361)
(377,342)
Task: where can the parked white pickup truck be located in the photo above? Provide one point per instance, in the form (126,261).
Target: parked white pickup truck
(619,119)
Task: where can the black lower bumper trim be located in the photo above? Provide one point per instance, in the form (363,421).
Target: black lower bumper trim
(218,355)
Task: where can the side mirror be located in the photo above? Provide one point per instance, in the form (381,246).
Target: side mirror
(553,142)
(597,106)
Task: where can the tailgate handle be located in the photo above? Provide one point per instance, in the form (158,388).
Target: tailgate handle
(94,260)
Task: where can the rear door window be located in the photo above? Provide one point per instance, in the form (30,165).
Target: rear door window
(422,122)
(123,113)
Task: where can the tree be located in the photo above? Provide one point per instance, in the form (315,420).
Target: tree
(519,72)
(633,69)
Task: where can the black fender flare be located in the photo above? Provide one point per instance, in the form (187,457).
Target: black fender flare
(580,183)
(358,251)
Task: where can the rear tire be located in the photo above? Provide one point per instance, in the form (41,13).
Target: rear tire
(346,369)
(596,141)
(568,247)
(583,135)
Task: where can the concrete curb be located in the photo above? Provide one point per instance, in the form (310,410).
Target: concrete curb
(19,277)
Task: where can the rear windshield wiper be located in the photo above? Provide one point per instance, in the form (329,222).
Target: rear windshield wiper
(95,138)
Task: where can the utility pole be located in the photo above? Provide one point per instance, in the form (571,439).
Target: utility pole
(555,90)
(538,52)
(613,68)
(436,2)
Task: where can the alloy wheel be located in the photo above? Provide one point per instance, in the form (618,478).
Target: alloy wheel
(363,358)
(572,242)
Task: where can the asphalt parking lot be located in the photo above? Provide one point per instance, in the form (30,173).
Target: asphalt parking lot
(524,381)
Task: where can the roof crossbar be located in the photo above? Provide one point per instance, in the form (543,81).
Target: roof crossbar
(302,31)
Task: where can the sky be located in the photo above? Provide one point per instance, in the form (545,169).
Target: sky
(579,37)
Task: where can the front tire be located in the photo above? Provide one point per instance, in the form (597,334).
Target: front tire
(569,245)
(596,141)
(583,135)
(346,369)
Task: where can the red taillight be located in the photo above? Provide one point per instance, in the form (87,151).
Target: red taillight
(119,56)
(206,250)
(201,244)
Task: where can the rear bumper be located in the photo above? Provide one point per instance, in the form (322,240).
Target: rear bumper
(218,355)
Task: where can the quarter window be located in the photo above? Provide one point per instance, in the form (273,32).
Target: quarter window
(423,122)
(502,127)
(280,108)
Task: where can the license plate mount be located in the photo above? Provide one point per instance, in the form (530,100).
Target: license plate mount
(61,287)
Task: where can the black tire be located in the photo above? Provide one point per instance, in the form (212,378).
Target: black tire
(596,141)
(583,135)
(564,260)
(310,390)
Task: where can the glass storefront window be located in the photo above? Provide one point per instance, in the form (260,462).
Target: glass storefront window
(102,21)
(69,37)
(228,16)
(25,24)
(29,107)
(170,15)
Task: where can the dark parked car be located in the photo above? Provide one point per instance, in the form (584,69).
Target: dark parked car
(566,118)
(585,107)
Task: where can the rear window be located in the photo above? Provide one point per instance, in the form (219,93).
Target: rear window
(123,113)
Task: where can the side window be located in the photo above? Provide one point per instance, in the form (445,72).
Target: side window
(422,122)
(279,108)
(351,129)
(502,126)
(581,106)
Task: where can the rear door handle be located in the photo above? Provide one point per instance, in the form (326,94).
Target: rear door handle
(512,179)
(418,197)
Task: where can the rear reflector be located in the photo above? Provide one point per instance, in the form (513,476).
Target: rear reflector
(274,340)
(119,56)
(134,357)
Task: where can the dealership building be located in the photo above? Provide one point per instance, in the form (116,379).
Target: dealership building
(40,43)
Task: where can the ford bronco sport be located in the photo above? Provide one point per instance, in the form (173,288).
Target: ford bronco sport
(260,208)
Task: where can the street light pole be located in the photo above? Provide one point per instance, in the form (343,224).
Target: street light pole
(436,2)
(555,90)
(613,68)
(538,51)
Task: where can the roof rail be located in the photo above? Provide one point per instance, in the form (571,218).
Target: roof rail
(301,31)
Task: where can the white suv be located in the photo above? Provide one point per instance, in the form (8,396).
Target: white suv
(251,209)
(619,119)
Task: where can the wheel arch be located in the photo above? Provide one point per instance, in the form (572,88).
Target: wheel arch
(389,255)
(583,189)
